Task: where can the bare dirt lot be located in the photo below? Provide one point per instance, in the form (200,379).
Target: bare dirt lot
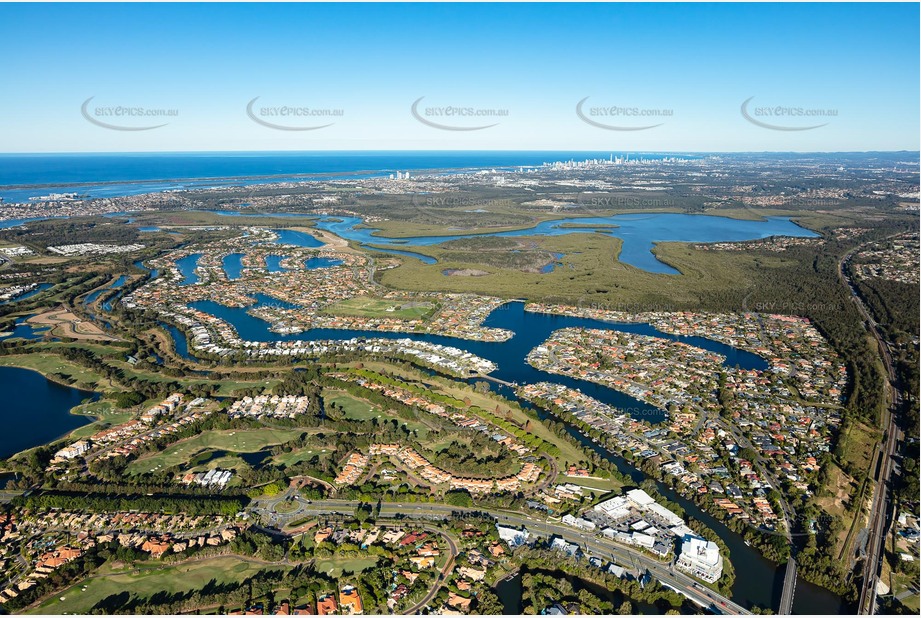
(66,324)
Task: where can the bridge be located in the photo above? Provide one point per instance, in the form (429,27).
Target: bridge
(496,380)
(789,587)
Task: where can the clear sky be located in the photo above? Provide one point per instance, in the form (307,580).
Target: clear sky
(692,64)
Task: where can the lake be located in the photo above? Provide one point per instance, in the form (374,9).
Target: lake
(41,417)
(639,233)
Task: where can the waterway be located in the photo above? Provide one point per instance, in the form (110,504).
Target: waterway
(639,233)
(531,329)
(187,266)
(758,580)
(315,263)
(296,238)
(34,292)
(41,417)
(23,330)
(273,263)
(233,266)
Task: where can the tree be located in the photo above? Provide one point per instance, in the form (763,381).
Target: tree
(363,512)
(459,497)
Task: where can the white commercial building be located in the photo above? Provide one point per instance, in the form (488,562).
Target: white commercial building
(513,536)
(700,558)
(578,522)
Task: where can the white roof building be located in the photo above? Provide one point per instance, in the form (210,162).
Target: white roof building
(640,498)
(513,536)
(578,522)
(700,558)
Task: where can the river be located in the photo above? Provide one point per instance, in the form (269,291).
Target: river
(758,580)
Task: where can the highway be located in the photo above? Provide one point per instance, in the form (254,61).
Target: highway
(592,544)
(882,470)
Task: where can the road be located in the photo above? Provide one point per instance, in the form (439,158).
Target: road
(882,470)
(789,517)
(789,587)
(591,543)
(443,576)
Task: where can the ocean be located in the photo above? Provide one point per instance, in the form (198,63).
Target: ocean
(108,175)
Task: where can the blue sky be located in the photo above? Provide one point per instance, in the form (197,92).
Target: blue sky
(690,65)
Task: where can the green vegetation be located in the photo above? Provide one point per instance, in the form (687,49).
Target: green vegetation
(150,503)
(233,440)
(148,579)
(363,307)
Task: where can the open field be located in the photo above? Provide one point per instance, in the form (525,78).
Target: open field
(51,364)
(360,409)
(842,488)
(149,579)
(105,420)
(233,440)
(364,307)
(596,485)
(294,457)
(856,445)
(591,273)
(354,408)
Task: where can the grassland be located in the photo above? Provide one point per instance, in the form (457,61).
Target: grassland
(148,579)
(364,307)
(353,407)
(295,457)
(51,364)
(595,485)
(106,414)
(592,274)
(231,440)
(569,454)
(359,409)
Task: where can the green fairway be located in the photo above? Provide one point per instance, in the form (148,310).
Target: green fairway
(51,364)
(232,440)
(364,307)
(337,566)
(149,579)
(359,409)
(354,408)
(294,457)
(106,419)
